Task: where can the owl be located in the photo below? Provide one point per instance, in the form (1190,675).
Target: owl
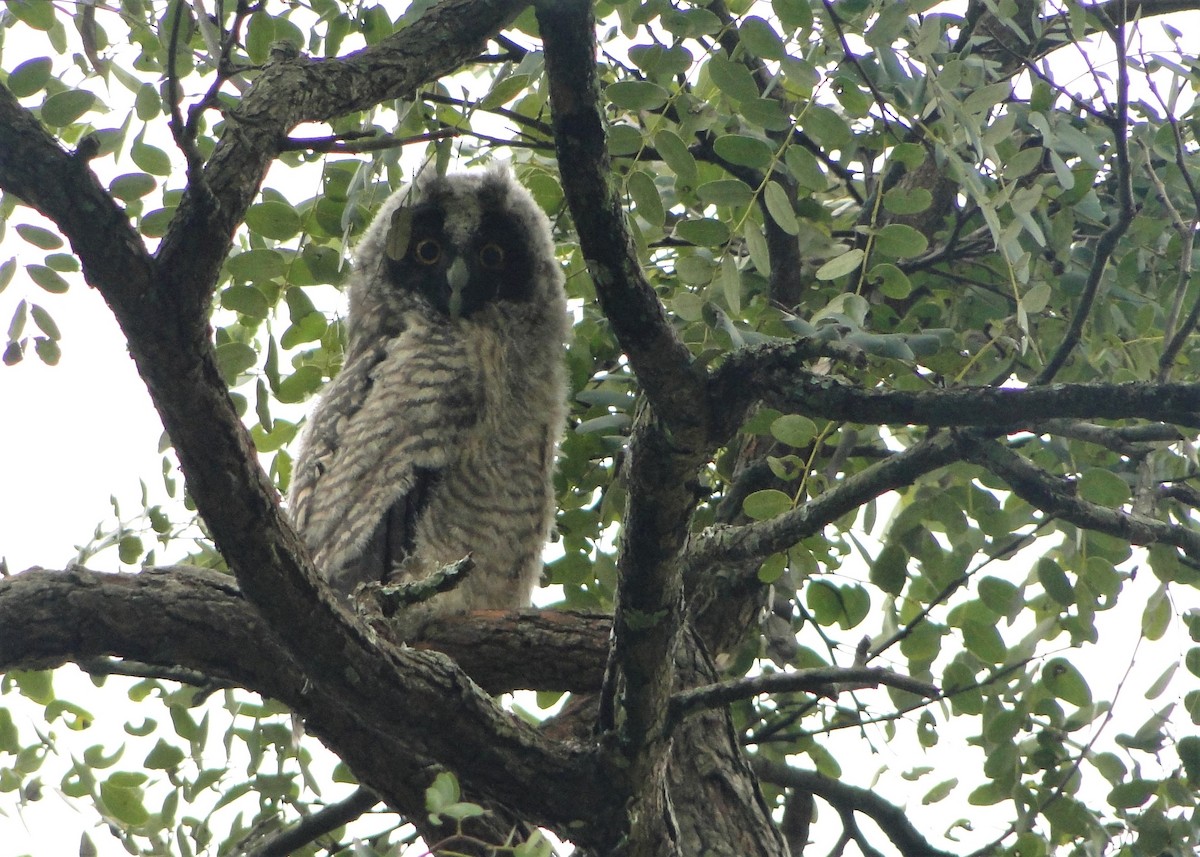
(436,439)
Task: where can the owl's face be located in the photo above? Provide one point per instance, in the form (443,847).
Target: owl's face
(461,248)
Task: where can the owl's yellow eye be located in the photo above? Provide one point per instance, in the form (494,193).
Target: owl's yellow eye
(491,256)
(428,251)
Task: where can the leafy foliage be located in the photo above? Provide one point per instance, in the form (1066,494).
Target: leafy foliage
(1001,198)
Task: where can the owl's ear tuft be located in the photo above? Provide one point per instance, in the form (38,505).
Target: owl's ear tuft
(399,234)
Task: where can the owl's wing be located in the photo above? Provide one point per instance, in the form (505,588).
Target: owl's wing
(390,422)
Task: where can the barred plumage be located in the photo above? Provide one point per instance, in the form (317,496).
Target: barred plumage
(437,437)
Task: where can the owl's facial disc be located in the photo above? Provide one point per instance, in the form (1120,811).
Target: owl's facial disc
(462,265)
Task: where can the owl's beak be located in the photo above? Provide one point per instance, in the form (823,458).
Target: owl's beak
(457,277)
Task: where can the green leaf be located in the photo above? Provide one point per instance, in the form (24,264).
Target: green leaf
(1099,485)
(44,322)
(1063,680)
(839,266)
(1054,580)
(147,104)
(29,77)
(1131,794)
(1189,754)
(1192,660)
(732,78)
(780,208)
(1156,616)
(505,90)
(676,155)
(39,237)
(794,430)
(743,150)
(63,108)
(150,158)
(823,600)
(7,269)
(247,300)
(760,38)
(826,127)
(256,265)
(163,757)
(907,200)
(793,14)
(646,198)
(272,219)
(47,278)
(124,801)
(805,168)
(899,240)
(986,97)
(998,595)
(705,231)
(893,282)
(38,14)
(939,792)
(890,570)
(606,425)
(725,192)
(636,94)
(234,358)
(299,385)
(131,186)
(47,350)
(36,685)
(130,549)
(984,641)
(762,505)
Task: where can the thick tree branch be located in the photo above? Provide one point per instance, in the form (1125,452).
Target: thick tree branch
(34,167)
(776,375)
(667,447)
(662,362)
(197,619)
(193,625)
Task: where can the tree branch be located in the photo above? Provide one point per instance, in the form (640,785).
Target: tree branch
(890,818)
(662,362)
(724,545)
(198,619)
(823,681)
(1057,497)
(392,694)
(324,821)
(776,375)
(289,92)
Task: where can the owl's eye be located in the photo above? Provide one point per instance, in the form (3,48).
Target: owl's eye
(491,256)
(428,251)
